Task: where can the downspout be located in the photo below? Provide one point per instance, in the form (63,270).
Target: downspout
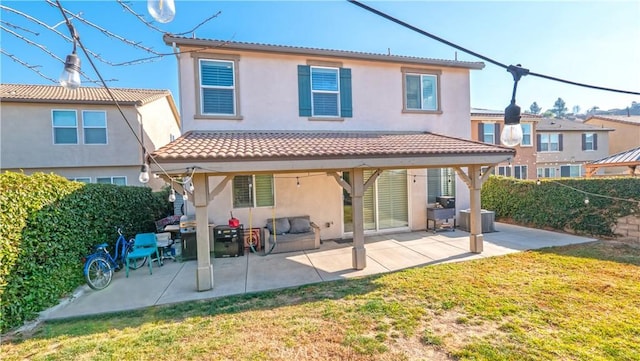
(177,54)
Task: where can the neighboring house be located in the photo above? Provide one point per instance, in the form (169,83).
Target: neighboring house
(81,134)
(625,135)
(564,147)
(344,137)
(486,126)
(629,159)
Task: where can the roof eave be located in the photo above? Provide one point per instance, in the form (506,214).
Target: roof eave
(207,43)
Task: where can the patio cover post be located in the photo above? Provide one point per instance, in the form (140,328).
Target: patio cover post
(475,238)
(204,273)
(359,255)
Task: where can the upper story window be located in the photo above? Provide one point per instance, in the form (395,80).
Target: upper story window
(65,127)
(589,141)
(526,134)
(489,132)
(94,127)
(421,90)
(218,88)
(324,91)
(253,191)
(549,142)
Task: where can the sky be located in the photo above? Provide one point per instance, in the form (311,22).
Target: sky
(590,42)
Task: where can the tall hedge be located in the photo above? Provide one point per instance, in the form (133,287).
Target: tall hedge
(560,203)
(47,224)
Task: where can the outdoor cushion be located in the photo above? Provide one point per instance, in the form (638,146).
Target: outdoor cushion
(300,225)
(282,225)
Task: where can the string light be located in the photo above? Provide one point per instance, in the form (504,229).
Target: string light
(172,194)
(144,173)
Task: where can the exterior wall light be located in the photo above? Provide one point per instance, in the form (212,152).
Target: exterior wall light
(512,132)
(162,10)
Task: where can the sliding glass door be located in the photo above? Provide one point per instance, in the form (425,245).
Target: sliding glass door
(385,202)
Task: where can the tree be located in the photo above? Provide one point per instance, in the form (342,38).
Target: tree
(559,108)
(576,109)
(535,108)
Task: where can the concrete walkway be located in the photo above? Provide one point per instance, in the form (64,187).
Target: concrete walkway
(176,281)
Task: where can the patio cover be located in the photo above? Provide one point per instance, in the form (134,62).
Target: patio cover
(229,153)
(629,158)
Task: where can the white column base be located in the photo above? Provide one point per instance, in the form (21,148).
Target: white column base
(204,278)
(359,258)
(476,243)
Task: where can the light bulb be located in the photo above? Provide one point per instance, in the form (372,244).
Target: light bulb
(70,77)
(511,135)
(586,201)
(172,195)
(162,10)
(144,174)
(185,196)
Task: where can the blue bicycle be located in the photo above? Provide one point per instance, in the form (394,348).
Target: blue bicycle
(100,265)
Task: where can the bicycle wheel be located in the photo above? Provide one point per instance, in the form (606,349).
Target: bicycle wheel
(98,273)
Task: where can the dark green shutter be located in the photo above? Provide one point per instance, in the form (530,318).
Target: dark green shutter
(304,90)
(346,108)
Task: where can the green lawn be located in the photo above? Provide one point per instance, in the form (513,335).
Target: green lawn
(579,302)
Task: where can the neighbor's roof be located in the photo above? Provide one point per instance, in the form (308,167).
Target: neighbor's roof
(86,95)
(629,157)
(553,124)
(489,113)
(297,50)
(633,119)
(223,146)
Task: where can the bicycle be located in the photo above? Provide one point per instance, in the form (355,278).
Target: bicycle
(100,265)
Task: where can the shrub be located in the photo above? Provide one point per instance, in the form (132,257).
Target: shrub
(48,224)
(560,203)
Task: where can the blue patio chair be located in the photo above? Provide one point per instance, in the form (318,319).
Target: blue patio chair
(144,246)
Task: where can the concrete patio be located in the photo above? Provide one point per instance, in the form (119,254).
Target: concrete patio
(176,281)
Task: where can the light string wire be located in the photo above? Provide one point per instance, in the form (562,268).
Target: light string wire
(478,55)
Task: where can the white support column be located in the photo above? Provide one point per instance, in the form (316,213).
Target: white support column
(204,273)
(359,255)
(476,238)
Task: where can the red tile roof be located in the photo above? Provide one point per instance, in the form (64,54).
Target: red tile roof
(269,145)
(92,95)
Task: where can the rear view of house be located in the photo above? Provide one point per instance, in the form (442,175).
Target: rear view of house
(358,142)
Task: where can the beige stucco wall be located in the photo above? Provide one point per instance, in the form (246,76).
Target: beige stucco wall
(572,153)
(268,91)
(625,136)
(525,154)
(26,133)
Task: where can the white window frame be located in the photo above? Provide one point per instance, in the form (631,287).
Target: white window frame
(80,179)
(526,130)
(519,168)
(589,145)
(435,74)
(112,179)
(223,58)
(551,171)
(549,141)
(318,91)
(85,127)
(489,129)
(575,170)
(54,126)
(252,196)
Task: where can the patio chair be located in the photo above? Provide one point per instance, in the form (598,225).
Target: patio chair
(144,246)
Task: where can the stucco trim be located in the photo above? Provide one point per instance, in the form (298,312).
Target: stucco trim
(197,57)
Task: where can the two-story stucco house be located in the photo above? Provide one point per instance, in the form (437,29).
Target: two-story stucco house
(486,126)
(81,134)
(624,137)
(341,136)
(564,147)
